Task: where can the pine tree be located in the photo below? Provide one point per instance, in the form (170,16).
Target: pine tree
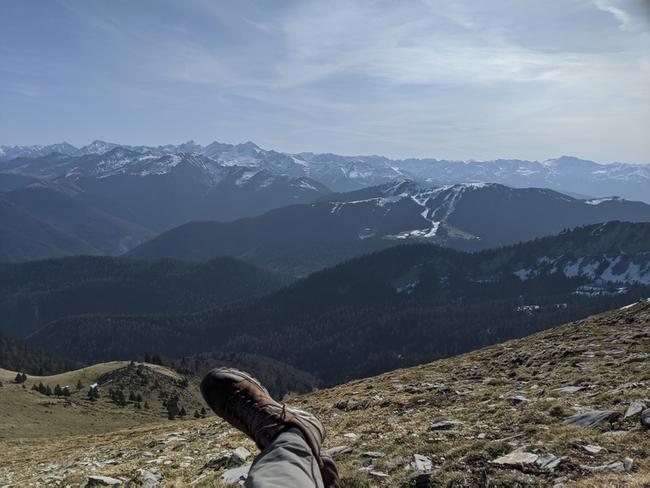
(132,397)
(79,385)
(41,388)
(57,390)
(66,391)
(93,394)
(172,408)
(146,405)
(48,390)
(197,414)
(182,413)
(203,412)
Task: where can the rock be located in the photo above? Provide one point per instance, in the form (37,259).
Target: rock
(560,482)
(239,456)
(628,464)
(421,463)
(362,405)
(373,454)
(378,474)
(518,399)
(637,358)
(150,478)
(614,467)
(338,451)
(635,408)
(591,448)
(445,424)
(570,389)
(217,462)
(100,481)
(235,475)
(341,405)
(645,418)
(516,459)
(350,435)
(549,461)
(591,419)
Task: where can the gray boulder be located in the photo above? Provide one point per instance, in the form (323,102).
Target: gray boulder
(100,481)
(150,478)
(591,419)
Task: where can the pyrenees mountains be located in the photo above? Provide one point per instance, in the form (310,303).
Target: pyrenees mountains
(344,173)
(110,199)
(302,238)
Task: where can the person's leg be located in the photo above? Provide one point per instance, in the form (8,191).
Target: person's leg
(287,462)
(290,439)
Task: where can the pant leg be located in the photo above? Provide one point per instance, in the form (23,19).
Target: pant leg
(287,462)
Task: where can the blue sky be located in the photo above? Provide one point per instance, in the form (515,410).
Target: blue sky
(447,79)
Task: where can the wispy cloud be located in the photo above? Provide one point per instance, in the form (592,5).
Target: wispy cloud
(442,78)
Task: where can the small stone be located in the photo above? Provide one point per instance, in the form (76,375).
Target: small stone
(217,462)
(421,463)
(635,408)
(516,459)
(341,405)
(560,482)
(645,418)
(570,389)
(628,464)
(350,435)
(482,435)
(239,456)
(549,461)
(373,454)
(614,467)
(235,475)
(100,481)
(150,478)
(362,405)
(591,448)
(378,474)
(338,451)
(445,424)
(591,419)
(518,399)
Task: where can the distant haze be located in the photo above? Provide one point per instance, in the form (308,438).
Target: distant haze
(429,78)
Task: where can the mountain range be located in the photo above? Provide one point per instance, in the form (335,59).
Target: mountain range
(398,307)
(109,199)
(344,173)
(302,238)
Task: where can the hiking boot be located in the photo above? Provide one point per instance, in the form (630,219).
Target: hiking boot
(329,472)
(242,401)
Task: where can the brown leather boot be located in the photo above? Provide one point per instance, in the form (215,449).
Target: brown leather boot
(242,401)
(330,473)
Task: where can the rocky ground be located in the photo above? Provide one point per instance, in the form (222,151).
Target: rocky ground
(560,408)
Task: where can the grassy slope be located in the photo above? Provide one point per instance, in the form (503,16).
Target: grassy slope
(473,388)
(28,414)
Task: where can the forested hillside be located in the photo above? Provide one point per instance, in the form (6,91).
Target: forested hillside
(35,293)
(18,355)
(398,307)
